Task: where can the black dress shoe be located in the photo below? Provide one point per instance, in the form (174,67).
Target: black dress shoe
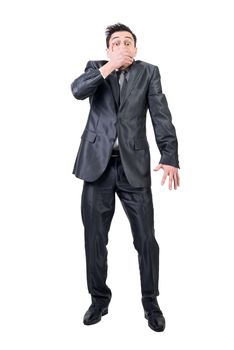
(156,320)
(94,314)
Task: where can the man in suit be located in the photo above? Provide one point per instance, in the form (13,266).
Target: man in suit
(114,157)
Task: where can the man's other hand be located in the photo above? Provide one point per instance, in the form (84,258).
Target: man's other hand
(173,174)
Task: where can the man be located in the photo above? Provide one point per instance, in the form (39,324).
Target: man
(114,157)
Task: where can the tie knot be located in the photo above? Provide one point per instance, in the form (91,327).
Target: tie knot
(121,72)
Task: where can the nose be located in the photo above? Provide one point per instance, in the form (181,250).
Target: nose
(122,45)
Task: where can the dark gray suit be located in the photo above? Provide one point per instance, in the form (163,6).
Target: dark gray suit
(128,174)
(128,120)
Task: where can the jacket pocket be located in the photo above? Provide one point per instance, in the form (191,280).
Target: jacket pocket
(89,135)
(141,143)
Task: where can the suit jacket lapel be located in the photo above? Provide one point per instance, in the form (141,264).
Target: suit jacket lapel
(134,75)
(112,80)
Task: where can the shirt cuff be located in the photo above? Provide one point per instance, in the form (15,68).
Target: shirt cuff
(101,73)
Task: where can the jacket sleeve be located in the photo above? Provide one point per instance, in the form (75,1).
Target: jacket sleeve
(86,84)
(164,130)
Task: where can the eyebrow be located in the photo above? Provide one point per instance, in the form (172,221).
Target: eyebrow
(128,37)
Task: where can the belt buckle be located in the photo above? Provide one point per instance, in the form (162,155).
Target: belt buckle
(115,153)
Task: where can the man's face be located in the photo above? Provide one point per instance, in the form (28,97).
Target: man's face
(122,42)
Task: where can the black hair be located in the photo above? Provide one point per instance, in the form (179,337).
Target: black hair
(118,27)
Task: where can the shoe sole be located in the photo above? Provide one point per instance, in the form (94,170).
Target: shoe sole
(104,312)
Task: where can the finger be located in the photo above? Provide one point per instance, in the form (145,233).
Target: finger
(175,181)
(178,179)
(127,61)
(127,56)
(130,58)
(170,181)
(164,178)
(159,166)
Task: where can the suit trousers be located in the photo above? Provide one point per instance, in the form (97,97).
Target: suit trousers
(97,210)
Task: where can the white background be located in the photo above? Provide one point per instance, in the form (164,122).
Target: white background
(44,46)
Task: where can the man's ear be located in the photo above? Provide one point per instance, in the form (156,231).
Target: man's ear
(107,52)
(135,51)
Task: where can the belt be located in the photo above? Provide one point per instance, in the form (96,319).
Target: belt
(115,153)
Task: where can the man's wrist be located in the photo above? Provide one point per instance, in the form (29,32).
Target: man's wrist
(106,69)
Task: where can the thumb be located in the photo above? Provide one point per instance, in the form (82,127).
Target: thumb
(159,166)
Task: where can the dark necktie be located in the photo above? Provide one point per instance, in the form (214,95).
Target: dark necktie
(122,84)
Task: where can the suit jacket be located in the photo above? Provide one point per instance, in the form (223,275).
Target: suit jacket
(107,119)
